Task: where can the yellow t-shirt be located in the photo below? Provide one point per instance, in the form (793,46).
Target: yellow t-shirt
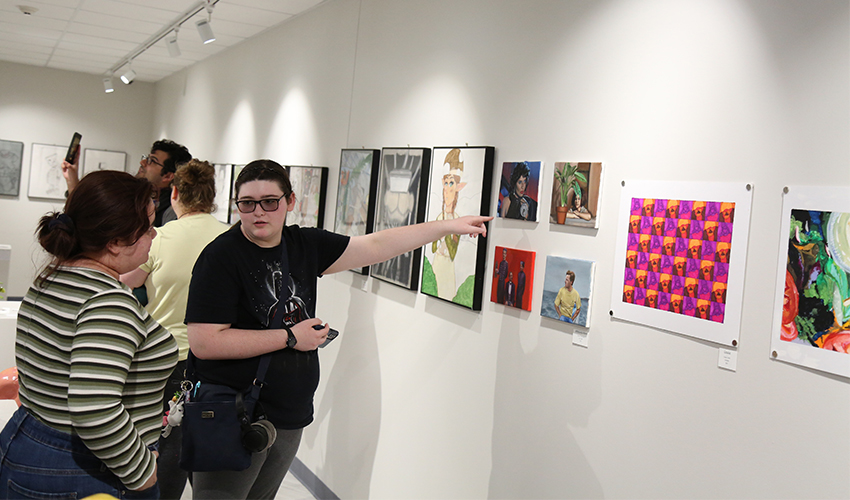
(567,301)
(174,251)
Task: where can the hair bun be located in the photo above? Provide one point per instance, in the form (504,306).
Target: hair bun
(63,222)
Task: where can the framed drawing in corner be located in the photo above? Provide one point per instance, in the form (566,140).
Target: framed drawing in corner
(11,158)
(310,185)
(402,192)
(460,184)
(46,180)
(97,159)
(223,189)
(355,202)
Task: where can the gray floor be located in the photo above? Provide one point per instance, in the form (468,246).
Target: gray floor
(291,489)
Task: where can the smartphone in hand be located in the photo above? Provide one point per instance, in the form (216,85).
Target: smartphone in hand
(71,155)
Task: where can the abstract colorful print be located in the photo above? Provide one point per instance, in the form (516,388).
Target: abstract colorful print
(677,256)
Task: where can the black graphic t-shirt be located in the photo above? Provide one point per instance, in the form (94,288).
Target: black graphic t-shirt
(237,282)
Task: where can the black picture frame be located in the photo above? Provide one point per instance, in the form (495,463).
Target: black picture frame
(11,163)
(467,170)
(310,185)
(401,199)
(355,203)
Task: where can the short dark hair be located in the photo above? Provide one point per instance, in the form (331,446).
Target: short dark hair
(572,276)
(264,170)
(106,206)
(520,170)
(178,154)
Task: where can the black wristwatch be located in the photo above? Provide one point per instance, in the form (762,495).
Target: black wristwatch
(291,340)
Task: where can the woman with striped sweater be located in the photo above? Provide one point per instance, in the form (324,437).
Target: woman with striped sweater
(92,363)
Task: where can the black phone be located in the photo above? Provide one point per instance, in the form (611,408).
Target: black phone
(71,155)
(332,334)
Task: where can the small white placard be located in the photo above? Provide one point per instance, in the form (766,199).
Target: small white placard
(727,359)
(580,338)
(366,282)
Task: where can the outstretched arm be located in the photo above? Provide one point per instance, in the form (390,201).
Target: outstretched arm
(378,247)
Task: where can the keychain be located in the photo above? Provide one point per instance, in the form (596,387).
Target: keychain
(174,416)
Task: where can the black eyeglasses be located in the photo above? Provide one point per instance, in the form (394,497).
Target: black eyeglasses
(268,205)
(152,159)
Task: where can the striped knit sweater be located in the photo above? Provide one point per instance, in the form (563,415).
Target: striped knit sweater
(92,362)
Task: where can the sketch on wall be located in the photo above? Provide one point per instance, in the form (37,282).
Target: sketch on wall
(460,184)
(576,188)
(355,202)
(97,159)
(11,159)
(518,190)
(310,185)
(223,183)
(811,324)
(680,254)
(46,180)
(513,278)
(568,290)
(402,191)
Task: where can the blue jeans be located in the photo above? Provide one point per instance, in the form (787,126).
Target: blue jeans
(566,319)
(37,461)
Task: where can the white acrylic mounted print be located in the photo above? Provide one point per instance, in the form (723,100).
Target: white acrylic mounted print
(46,180)
(97,159)
(680,255)
(811,321)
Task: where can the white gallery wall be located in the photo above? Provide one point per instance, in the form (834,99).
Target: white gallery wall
(46,106)
(423,399)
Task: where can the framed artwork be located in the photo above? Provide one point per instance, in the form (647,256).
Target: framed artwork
(518,190)
(223,186)
(310,185)
(46,180)
(233,212)
(576,188)
(513,278)
(11,159)
(402,191)
(453,267)
(97,159)
(568,290)
(811,322)
(355,202)
(680,254)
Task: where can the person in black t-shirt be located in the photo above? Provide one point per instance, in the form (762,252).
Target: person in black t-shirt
(233,297)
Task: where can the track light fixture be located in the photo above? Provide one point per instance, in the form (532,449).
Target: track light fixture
(204,28)
(171,43)
(107,85)
(128,75)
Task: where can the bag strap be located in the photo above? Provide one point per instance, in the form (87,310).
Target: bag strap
(276,323)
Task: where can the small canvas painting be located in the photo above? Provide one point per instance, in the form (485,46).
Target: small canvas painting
(513,278)
(518,191)
(575,194)
(568,290)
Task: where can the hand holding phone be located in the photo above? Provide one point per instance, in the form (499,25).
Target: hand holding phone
(332,334)
(73,149)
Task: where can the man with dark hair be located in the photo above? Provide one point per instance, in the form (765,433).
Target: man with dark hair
(158,167)
(502,275)
(520,284)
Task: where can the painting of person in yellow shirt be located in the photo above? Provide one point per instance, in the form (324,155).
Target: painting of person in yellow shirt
(568,301)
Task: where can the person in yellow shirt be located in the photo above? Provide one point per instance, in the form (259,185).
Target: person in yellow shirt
(568,301)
